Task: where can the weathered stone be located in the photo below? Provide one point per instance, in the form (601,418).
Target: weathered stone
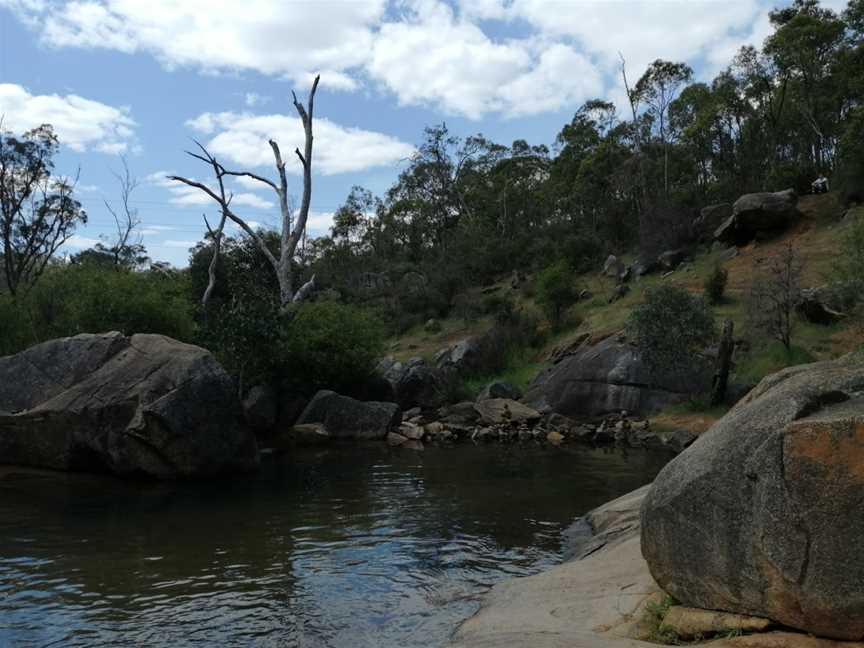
(140,405)
(260,408)
(569,348)
(308,434)
(460,413)
(820,306)
(500,389)
(394,438)
(503,410)
(692,623)
(710,218)
(347,418)
(671,259)
(620,291)
(555,437)
(770,498)
(758,213)
(613,267)
(608,377)
(411,431)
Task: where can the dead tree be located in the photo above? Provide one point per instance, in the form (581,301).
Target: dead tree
(128,247)
(724,364)
(292,231)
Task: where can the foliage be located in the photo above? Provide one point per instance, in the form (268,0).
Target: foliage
(38,212)
(671,328)
(769,359)
(89,299)
(775,295)
(330,345)
(555,291)
(655,613)
(848,268)
(715,284)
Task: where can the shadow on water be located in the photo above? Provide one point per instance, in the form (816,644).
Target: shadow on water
(347,546)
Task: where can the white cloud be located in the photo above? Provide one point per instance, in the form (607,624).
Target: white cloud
(464,57)
(252,99)
(178,244)
(183,194)
(319,223)
(289,39)
(434,57)
(242,139)
(81,124)
(81,242)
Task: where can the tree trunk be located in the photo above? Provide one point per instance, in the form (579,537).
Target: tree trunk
(724,363)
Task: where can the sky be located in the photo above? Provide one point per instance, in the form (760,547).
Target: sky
(142,78)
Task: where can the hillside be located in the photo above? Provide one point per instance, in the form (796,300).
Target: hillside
(816,238)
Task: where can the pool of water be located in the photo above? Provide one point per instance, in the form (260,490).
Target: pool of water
(350,546)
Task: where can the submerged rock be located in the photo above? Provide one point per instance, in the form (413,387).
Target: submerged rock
(762,514)
(347,418)
(140,405)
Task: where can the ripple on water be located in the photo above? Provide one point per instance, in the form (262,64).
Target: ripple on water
(344,547)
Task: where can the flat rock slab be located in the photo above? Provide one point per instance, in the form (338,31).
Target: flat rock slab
(495,411)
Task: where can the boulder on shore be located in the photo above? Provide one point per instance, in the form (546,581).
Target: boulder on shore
(347,418)
(606,378)
(495,411)
(757,213)
(141,405)
(762,514)
(499,389)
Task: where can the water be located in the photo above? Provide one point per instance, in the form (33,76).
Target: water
(351,546)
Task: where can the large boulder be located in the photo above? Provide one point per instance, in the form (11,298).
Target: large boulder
(609,377)
(762,514)
(261,408)
(141,405)
(499,389)
(497,411)
(758,213)
(347,418)
(414,383)
(709,219)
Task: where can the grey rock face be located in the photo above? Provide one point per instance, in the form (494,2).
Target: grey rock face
(260,407)
(710,218)
(762,514)
(143,405)
(347,418)
(500,389)
(756,213)
(606,378)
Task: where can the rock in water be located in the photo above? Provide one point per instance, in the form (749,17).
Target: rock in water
(762,514)
(347,418)
(496,411)
(140,405)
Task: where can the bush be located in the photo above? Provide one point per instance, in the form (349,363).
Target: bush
(671,328)
(715,285)
(330,346)
(69,300)
(555,291)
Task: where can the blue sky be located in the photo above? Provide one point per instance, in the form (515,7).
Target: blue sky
(141,77)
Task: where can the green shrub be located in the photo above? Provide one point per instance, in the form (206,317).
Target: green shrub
(715,284)
(330,345)
(74,299)
(555,291)
(671,328)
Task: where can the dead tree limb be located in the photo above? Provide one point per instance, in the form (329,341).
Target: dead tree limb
(292,231)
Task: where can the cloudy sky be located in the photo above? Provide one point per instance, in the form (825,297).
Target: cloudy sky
(141,77)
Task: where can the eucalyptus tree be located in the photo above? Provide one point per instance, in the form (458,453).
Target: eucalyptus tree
(38,210)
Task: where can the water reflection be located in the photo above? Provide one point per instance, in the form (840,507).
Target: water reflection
(349,546)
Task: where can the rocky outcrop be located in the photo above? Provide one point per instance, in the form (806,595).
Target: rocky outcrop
(260,407)
(500,389)
(608,377)
(821,306)
(709,219)
(758,213)
(414,382)
(613,267)
(494,411)
(142,405)
(347,418)
(762,514)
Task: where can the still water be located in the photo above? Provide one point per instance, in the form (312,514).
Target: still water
(351,546)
